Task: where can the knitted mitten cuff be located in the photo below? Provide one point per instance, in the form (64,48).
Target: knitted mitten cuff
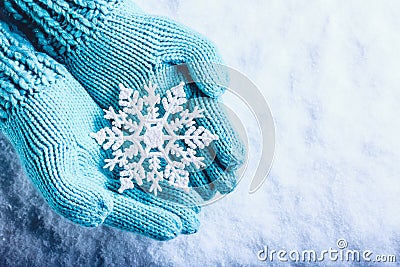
(22,71)
(60,26)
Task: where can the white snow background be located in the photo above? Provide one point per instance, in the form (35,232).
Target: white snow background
(330,71)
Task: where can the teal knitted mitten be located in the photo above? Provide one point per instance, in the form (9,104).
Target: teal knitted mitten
(48,115)
(105,43)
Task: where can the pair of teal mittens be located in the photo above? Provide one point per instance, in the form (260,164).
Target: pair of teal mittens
(50,102)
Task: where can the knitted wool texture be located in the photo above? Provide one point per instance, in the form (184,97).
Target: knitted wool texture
(105,43)
(47,116)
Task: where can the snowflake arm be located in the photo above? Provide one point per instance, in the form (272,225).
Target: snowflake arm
(185,119)
(109,138)
(173,101)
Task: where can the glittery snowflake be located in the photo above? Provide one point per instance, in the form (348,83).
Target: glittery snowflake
(149,145)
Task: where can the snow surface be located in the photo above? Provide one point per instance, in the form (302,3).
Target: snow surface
(330,72)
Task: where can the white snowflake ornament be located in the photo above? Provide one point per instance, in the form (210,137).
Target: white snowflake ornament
(147,145)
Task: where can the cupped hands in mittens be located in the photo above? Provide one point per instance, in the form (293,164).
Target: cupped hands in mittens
(48,116)
(107,43)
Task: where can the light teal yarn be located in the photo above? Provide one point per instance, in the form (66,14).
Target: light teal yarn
(48,115)
(105,43)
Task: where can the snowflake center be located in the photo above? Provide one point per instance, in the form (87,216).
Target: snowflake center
(154,136)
